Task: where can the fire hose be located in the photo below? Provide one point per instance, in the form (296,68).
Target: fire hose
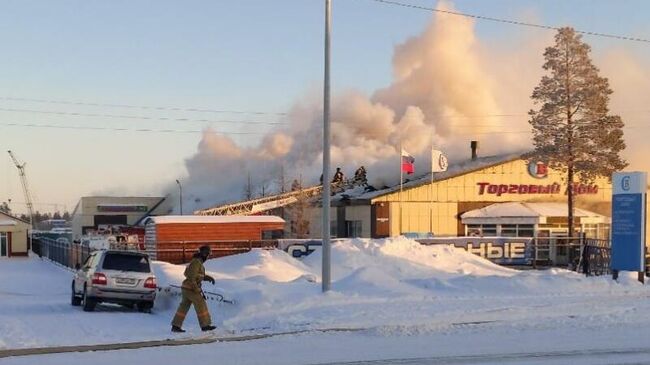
(206,294)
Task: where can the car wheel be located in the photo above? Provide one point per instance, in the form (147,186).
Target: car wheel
(74,299)
(89,303)
(145,307)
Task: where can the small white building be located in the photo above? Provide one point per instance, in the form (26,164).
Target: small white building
(14,233)
(545,221)
(532,219)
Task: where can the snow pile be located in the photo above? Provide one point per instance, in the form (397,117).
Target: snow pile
(392,286)
(274,265)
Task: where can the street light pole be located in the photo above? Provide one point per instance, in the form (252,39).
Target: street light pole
(326,274)
(180,199)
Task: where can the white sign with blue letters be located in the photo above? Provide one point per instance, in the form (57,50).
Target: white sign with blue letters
(628,221)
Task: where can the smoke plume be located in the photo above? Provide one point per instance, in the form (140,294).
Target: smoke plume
(447,89)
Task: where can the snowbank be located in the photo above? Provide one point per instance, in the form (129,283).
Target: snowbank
(395,286)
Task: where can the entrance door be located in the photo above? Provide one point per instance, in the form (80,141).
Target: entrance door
(4,243)
(559,247)
(380,220)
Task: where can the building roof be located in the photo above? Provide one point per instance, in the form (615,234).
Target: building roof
(526,210)
(7,219)
(212,219)
(454,170)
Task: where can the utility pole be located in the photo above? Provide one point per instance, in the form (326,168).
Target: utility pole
(326,273)
(180,197)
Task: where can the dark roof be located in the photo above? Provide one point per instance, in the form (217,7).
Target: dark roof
(458,169)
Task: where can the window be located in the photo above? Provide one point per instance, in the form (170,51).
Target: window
(482,230)
(4,243)
(126,262)
(509,230)
(272,234)
(525,230)
(89,262)
(489,230)
(333,229)
(353,229)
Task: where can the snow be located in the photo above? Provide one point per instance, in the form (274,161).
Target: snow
(207,219)
(411,300)
(525,209)
(453,170)
(7,223)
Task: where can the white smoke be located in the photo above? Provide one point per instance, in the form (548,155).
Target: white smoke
(448,89)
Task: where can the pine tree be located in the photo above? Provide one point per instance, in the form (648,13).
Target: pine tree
(573,130)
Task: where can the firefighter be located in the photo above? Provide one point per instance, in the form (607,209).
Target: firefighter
(193,294)
(338,177)
(295,185)
(360,177)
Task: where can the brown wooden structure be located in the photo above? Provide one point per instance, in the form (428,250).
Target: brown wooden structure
(176,238)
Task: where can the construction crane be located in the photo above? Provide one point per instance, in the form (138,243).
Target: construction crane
(23,179)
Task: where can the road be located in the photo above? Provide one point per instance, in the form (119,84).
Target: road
(611,356)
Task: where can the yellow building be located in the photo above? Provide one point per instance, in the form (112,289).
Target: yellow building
(13,236)
(435,205)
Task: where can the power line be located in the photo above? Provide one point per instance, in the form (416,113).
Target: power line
(56,126)
(143,107)
(508,21)
(114,116)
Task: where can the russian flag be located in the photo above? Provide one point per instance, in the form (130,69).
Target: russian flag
(408,162)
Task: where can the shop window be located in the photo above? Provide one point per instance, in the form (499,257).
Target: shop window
(482,230)
(509,230)
(353,229)
(489,230)
(525,230)
(590,230)
(474,230)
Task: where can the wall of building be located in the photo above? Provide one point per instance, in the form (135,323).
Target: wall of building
(359,213)
(19,233)
(435,207)
(315,214)
(86,210)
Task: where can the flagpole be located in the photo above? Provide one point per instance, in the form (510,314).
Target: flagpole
(401,180)
(431,193)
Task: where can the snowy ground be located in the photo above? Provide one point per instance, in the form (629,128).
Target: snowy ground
(432,303)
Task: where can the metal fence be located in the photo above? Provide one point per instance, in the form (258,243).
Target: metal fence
(585,255)
(59,251)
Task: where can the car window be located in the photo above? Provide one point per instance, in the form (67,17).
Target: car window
(126,262)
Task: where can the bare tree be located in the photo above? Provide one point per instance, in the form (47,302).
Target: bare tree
(573,130)
(4,207)
(298,212)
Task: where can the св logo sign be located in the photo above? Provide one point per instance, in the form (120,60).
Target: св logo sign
(538,170)
(625,183)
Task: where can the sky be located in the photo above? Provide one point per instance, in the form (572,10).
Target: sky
(247,55)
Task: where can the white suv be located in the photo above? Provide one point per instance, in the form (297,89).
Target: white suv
(119,277)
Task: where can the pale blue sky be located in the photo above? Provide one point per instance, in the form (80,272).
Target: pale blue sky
(237,55)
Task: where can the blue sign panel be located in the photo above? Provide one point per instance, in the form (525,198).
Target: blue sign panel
(500,250)
(628,221)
